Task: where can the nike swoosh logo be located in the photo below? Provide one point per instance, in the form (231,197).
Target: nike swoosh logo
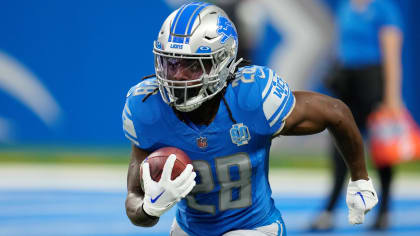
(153,200)
(363,199)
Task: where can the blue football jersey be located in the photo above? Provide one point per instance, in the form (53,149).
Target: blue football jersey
(231,159)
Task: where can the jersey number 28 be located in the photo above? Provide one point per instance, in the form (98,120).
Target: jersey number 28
(242,162)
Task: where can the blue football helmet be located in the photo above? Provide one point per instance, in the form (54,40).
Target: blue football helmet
(194,54)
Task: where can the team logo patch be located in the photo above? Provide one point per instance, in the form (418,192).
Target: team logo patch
(226,29)
(240,134)
(202,142)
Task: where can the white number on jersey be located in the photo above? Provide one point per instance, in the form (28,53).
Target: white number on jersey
(227,185)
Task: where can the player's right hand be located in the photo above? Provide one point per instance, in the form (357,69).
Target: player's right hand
(161,196)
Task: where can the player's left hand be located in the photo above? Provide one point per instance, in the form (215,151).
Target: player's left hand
(361,198)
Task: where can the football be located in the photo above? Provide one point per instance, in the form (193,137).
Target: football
(157,161)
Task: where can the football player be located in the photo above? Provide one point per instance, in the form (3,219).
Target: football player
(224,117)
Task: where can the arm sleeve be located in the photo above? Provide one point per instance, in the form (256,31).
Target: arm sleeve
(141,118)
(128,124)
(277,101)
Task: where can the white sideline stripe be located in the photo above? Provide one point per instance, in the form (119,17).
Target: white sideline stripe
(68,176)
(114,178)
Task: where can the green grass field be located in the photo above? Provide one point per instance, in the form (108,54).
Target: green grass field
(120,156)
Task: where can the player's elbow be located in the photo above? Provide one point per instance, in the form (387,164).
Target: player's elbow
(131,214)
(339,113)
(136,215)
(139,221)
(135,221)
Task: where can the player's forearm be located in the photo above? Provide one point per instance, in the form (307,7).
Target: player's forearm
(349,141)
(314,113)
(134,201)
(135,212)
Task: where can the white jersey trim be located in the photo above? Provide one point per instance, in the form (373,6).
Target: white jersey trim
(132,140)
(273,122)
(129,126)
(127,109)
(285,117)
(268,84)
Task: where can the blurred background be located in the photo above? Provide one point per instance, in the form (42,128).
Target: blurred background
(66,66)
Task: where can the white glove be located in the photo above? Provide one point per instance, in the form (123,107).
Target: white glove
(361,198)
(161,196)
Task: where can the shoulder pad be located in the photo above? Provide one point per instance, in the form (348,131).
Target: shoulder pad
(247,85)
(145,110)
(140,117)
(261,90)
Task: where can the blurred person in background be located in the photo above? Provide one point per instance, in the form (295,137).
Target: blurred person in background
(367,77)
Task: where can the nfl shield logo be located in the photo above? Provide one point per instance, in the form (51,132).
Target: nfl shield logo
(202,142)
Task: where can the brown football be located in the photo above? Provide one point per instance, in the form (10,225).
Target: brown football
(157,161)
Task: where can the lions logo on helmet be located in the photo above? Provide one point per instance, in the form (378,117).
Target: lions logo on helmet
(199,42)
(226,29)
